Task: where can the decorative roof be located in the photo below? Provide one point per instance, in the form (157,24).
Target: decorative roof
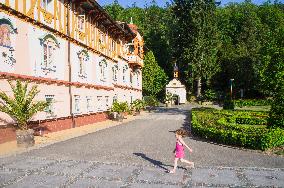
(175,68)
(92,8)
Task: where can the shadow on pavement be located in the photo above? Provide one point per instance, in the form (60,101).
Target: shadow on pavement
(153,161)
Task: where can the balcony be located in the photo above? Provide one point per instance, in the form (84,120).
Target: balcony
(134,60)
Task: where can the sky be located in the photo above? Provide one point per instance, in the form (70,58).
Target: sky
(161,3)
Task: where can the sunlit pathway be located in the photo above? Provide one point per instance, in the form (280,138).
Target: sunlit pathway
(137,154)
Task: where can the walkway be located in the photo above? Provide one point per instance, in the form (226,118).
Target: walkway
(137,154)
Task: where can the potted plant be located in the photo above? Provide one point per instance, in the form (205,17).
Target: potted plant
(169,99)
(151,102)
(118,109)
(137,105)
(21,108)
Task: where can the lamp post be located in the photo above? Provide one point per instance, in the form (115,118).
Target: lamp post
(231,85)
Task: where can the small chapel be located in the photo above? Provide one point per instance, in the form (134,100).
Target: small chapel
(176,88)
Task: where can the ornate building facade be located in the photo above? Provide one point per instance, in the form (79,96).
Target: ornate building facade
(80,58)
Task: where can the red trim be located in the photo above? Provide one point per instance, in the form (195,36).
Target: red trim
(126,87)
(51,81)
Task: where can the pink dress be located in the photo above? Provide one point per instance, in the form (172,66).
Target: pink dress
(179,150)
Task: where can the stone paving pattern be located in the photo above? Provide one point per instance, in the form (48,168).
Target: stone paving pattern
(138,154)
(41,172)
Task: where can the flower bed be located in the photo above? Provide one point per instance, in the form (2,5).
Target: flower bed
(239,128)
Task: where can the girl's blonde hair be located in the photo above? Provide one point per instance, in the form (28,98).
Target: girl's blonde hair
(182,132)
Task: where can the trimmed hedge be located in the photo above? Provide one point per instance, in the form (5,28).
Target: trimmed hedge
(220,126)
(253,102)
(276,114)
(229,104)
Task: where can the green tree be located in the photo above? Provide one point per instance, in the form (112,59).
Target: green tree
(21,106)
(242,34)
(153,76)
(114,10)
(196,40)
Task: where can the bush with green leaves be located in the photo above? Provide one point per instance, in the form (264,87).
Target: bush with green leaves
(119,107)
(229,104)
(137,105)
(169,97)
(221,126)
(252,102)
(276,114)
(21,107)
(151,101)
(210,95)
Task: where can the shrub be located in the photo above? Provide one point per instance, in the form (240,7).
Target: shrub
(210,95)
(228,104)
(119,107)
(221,126)
(276,114)
(150,101)
(137,105)
(253,102)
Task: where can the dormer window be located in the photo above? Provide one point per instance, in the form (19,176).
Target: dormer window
(113,45)
(131,49)
(102,38)
(81,22)
(46,5)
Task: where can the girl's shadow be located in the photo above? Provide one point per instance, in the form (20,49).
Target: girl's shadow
(154,162)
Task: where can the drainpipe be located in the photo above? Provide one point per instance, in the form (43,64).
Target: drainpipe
(69,65)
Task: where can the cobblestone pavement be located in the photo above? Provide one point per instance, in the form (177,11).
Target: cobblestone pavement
(138,154)
(41,172)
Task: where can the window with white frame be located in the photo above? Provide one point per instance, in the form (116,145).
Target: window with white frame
(114,99)
(137,77)
(81,22)
(100,103)
(113,45)
(50,47)
(77,108)
(89,104)
(114,73)
(83,58)
(131,77)
(102,38)
(124,71)
(107,102)
(46,5)
(103,70)
(50,108)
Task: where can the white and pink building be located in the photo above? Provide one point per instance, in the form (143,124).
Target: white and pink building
(80,58)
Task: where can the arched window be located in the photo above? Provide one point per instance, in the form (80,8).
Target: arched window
(114,73)
(7,42)
(124,70)
(83,58)
(50,47)
(5,39)
(6,29)
(103,70)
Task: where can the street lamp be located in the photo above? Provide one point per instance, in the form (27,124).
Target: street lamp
(231,85)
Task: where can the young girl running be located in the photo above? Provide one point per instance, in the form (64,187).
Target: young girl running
(179,150)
